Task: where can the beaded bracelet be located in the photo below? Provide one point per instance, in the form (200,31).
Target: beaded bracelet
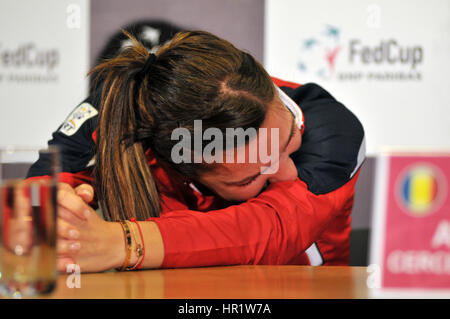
(128,244)
(139,264)
(139,251)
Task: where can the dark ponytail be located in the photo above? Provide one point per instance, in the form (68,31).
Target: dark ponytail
(124,183)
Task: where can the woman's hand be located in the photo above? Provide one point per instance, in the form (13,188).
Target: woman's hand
(83,237)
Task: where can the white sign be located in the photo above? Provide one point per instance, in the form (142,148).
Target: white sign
(43,66)
(387,61)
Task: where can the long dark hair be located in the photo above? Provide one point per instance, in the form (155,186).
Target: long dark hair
(196,76)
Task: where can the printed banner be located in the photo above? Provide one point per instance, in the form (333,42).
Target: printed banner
(387,61)
(411,234)
(43,65)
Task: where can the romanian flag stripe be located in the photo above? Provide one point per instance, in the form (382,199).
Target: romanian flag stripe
(419,189)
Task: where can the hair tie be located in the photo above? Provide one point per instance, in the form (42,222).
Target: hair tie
(150,60)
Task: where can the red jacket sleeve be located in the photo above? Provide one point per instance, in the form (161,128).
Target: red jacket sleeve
(273,228)
(73,179)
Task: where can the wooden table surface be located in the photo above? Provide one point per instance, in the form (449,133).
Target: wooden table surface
(240,282)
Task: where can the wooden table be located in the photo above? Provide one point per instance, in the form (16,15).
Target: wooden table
(234,282)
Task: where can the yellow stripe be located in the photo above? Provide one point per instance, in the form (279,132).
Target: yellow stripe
(421,190)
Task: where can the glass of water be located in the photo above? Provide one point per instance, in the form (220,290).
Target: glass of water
(28,212)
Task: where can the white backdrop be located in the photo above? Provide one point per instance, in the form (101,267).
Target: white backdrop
(43,63)
(387,61)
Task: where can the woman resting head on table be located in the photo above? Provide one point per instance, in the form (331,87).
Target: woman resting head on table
(166,203)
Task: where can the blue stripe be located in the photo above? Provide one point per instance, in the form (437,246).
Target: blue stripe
(406,188)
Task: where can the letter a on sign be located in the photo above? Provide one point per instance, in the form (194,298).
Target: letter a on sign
(73,20)
(442,235)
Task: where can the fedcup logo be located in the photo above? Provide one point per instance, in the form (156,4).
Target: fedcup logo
(332,54)
(318,54)
(421,189)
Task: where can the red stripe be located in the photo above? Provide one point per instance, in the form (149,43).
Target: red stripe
(434,189)
(73,179)
(280,82)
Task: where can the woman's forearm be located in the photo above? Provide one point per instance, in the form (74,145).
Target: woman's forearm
(153,244)
(274,228)
(154,247)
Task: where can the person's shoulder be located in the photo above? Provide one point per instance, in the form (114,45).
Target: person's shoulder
(310,92)
(302,92)
(333,147)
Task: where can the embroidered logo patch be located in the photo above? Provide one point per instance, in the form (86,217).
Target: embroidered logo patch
(81,114)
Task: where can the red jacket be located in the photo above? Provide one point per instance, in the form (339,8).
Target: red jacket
(301,222)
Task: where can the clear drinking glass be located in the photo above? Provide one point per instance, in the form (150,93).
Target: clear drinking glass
(28,212)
